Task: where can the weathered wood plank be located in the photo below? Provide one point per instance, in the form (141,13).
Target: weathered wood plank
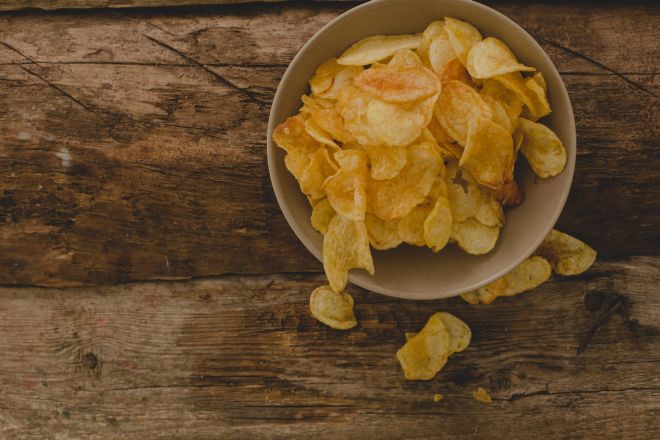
(123,160)
(240,356)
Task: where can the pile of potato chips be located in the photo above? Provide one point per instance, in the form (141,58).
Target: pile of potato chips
(413,139)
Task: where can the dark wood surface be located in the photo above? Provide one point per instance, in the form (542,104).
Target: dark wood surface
(132,151)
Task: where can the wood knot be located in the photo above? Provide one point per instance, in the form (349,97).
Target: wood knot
(89,360)
(499,382)
(594,300)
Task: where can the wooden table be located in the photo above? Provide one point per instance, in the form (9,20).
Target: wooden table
(152,288)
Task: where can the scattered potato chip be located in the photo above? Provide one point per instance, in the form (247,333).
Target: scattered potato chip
(530,274)
(471,297)
(334,309)
(411,226)
(322,214)
(460,334)
(377,47)
(395,198)
(463,193)
(399,125)
(437,397)
(318,133)
(488,152)
(398,84)
(566,254)
(346,190)
(474,237)
(345,247)
(462,36)
(426,353)
(438,224)
(457,105)
(386,162)
(482,395)
(319,168)
(542,148)
(440,54)
(405,58)
(383,234)
(292,137)
(491,57)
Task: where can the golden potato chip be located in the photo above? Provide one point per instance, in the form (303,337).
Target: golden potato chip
(542,148)
(322,79)
(411,226)
(439,133)
(386,162)
(438,224)
(322,214)
(382,234)
(395,198)
(509,194)
(536,102)
(482,395)
(488,152)
(491,57)
(313,101)
(410,335)
(500,115)
(541,105)
(440,53)
(292,137)
(530,274)
(433,30)
(463,193)
(474,237)
(460,334)
(462,37)
(439,187)
(329,120)
(455,71)
(398,84)
(457,105)
(352,106)
(437,397)
(426,353)
(319,168)
(399,125)
(471,297)
(318,133)
(512,104)
(345,247)
(405,58)
(540,80)
(566,254)
(346,190)
(377,47)
(343,76)
(490,211)
(334,309)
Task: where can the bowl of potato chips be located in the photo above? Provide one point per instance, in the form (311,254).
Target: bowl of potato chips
(425,146)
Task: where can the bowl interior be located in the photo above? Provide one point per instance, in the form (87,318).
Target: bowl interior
(407,271)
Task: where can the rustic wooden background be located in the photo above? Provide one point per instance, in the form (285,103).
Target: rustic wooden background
(151,287)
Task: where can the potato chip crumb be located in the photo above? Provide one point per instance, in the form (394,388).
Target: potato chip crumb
(438,397)
(482,395)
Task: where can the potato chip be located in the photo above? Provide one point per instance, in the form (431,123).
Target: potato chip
(386,162)
(322,79)
(491,57)
(530,274)
(434,30)
(490,211)
(426,353)
(439,187)
(460,334)
(463,193)
(438,224)
(509,194)
(471,297)
(329,120)
(542,148)
(352,106)
(457,105)
(511,102)
(540,80)
(395,198)
(462,37)
(488,152)
(399,125)
(292,137)
(334,309)
(313,101)
(437,397)
(318,133)
(536,102)
(566,254)
(378,47)
(382,234)
(405,58)
(398,84)
(455,71)
(346,190)
(319,168)
(440,54)
(322,214)
(482,395)
(439,133)
(500,115)
(541,105)
(343,76)
(411,226)
(410,335)
(345,247)
(474,237)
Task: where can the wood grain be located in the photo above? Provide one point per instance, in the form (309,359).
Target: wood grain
(133,142)
(240,357)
